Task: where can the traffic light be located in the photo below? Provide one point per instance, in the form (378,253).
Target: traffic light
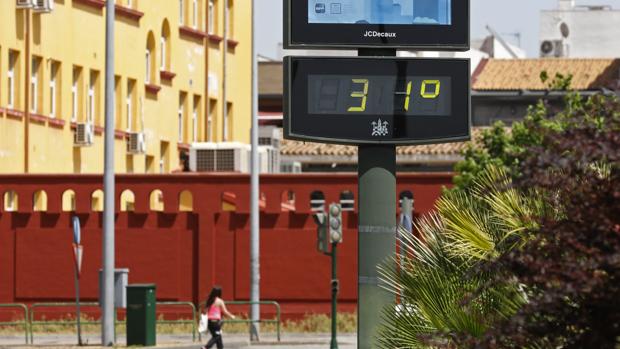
(335,223)
(322,241)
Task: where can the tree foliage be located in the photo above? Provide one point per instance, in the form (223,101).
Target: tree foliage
(525,251)
(500,147)
(441,298)
(571,264)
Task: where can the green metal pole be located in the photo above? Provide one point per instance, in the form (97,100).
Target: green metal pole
(377,235)
(77,303)
(334,342)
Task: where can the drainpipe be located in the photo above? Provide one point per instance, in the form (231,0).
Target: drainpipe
(207,101)
(225,125)
(27,95)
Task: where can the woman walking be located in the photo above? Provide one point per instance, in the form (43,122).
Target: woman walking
(214,309)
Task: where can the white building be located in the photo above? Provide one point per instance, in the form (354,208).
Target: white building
(579,31)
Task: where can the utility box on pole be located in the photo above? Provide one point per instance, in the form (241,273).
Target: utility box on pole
(121,279)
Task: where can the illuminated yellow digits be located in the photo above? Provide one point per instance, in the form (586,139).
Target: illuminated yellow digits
(433,94)
(360,94)
(408,96)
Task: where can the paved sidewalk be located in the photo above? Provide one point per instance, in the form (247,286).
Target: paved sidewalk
(231,341)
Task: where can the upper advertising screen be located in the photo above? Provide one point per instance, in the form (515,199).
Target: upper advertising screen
(433,25)
(417,12)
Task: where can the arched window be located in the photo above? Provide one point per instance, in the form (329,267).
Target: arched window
(182,12)
(230,18)
(39,201)
(317,201)
(10,201)
(156,200)
(68,200)
(150,59)
(195,14)
(164,49)
(211,17)
(186,201)
(406,194)
(128,200)
(347,200)
(147,61)
(288,200)
(96,203)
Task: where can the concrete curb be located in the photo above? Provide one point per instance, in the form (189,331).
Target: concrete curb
(58,341)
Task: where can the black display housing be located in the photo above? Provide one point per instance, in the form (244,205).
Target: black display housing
(299,34)
(402,129)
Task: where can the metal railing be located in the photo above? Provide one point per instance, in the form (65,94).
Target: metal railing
(181,321)
(237,320)
(24,323)
(67,322)
(32,322)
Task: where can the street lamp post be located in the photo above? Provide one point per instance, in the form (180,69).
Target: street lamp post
(254,216)
(107,302)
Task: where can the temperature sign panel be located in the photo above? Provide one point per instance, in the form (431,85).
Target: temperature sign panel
(377,100)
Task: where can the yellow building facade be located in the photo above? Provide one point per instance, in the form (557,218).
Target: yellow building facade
(182,75)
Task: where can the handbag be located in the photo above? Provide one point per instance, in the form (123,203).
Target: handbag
(203,324)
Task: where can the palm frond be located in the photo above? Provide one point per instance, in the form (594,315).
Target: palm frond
(466,227)
(432,275)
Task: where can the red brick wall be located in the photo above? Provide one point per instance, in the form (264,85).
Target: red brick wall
(185,253)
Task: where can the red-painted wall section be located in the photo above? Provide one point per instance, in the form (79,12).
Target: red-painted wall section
(186,253)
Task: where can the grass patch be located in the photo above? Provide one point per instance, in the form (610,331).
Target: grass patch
(310,323)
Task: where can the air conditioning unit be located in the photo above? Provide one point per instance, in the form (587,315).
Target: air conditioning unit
(269,159)
(553,48)
(232,157)
(84,135)
(270,136)
(202,157)
(136,143)
(219,157)
(290,167)
(43,6)
(25,3)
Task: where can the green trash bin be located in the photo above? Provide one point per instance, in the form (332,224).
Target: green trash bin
(141,329)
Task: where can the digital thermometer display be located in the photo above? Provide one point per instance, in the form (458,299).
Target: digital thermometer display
(379,95)
(360,100)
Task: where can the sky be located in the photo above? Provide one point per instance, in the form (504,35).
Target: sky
(507,17)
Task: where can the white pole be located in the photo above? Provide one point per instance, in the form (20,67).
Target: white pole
(107,301)
(255,226)
(225,120)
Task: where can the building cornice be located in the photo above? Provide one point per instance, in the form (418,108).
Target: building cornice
(98,4)
(192,33)
(127,12)
(166,75)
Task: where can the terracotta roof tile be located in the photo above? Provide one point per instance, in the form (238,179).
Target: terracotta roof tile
(524,74)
